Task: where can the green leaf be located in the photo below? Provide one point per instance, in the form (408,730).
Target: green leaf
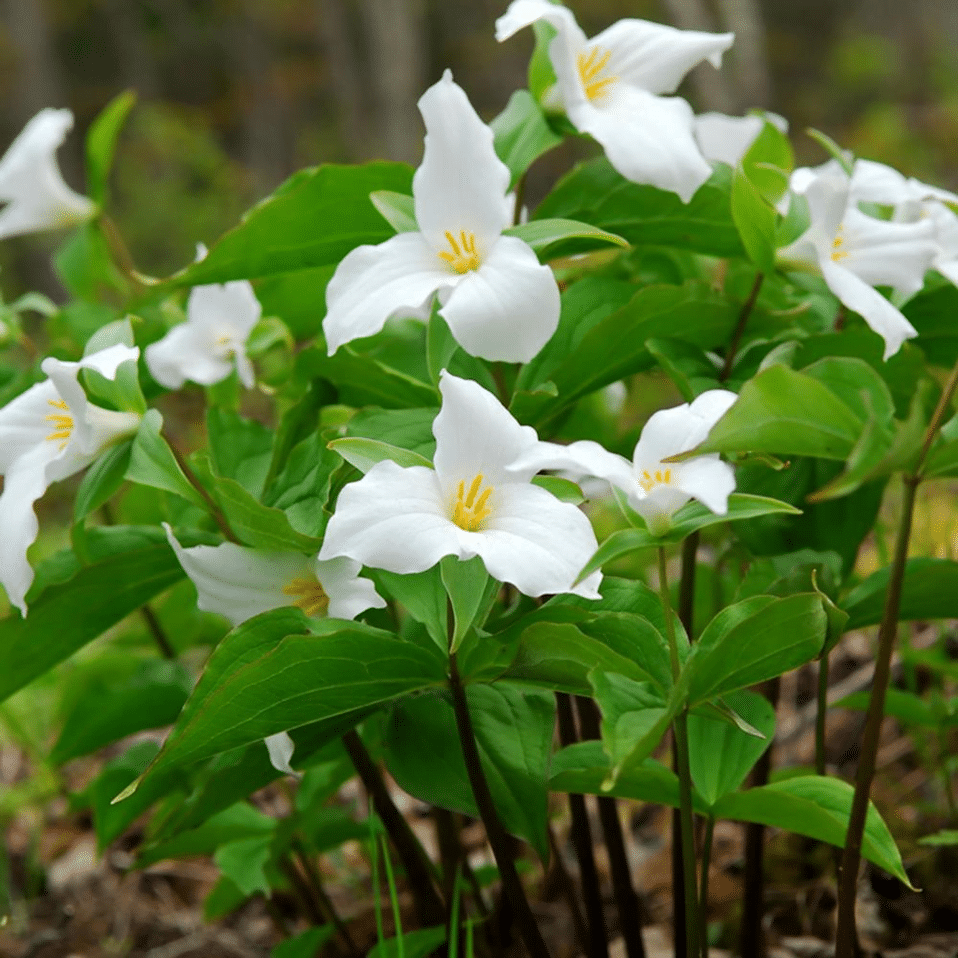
(904,706)
(127,567)
(414,944)
(929,591)
(844,157)
(946,837)
(466,583)
(769,161)
(151,698)
(541,72)
(240,449)
(397,209)
(279,234)
(755,640)
(365,453)
(645,216)
(102,480)
(785,412)
(279,670)
(514,728)
(153,464)
(522,134)
(306,944)
(101,144)
(721,755)
(85,265)
(441,346)
(243,861)
(423,597)
(543,235)
(755,221)
(818,807)
(565,490)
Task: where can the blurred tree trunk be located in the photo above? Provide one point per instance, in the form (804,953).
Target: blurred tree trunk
(137,61)
(38,82)
(749,54)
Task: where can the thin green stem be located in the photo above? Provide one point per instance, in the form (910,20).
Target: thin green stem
(512,886)
(520,199)
(214,509)
(680,734)
(743,316)
(704,882)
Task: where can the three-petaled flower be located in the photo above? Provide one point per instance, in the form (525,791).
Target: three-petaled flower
(30,181)
(610,88)
(652,487)
(500,303)
(473,503)
(48,433)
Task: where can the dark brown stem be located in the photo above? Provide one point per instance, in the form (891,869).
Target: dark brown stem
(570,892)
(821,712)
(740,328)
(322,899)
(214,509)
(302,893)
(751,940)
(429,906)
(626,900)
(156,630)
(520,199)
(596,941)
(495,833)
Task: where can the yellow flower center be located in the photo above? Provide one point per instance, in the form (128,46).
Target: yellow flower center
(649,481)
(471,508)
(590,66)
(838,250)
(462,255)
(62,422)
(311,597)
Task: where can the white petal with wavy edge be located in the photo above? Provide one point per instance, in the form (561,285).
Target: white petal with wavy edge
(880,315)
(647,138)
(537,543)
(349,593)
(581,458)
(475,434)
(523,13)
(726,139)
(460,184)
(280,747)
(373,283)
(186,353)
(506,310)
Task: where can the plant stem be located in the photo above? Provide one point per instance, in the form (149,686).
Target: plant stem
(743,316)
(680,733)
(496,834)
(846,937)
(596,943)
(569,891)
(626,900)
(215,511)
(704,882)
(323,900)
(821,710)
(429,907)
(520,199)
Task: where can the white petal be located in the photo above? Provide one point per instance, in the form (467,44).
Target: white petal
(280,747)
(726,139)
(582,458)
(667,433)
(24,482)
(880,315)
(709,480)
(31,183)
(23,423)
(648,139)
(186,352)
(523,13)
(238,582)
(373,283)
(394,519)
(461,183)
(657,506)
(537,543)
(475,434)
(712,405)
(877,183)
(655,57)
(508,309)
(349,593)
(224,309)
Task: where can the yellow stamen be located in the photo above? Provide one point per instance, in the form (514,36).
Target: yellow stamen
(462,255)
(469,512)
(838,253)
(312,597)
(590,67)
(661,478)
(62,422)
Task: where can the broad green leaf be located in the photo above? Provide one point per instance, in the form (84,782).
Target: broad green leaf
(423,597)
(440,345)
(755,221)
(904,706)
(151,698)
(565,490)
(932,313)
(769,161)
(785,412)
(102,480)
(818,807)
(755,640)
(85,265)
(946,837)
(101,144)
(405,428)
(543,235)
(514,728)
(595,193)
(466,583)
(365,453)
(152,462)
(522,134)
(689,367)
(240,449)
(541,72)
(298,298)
(127,567)
(279,670)
(397,209)
(280,235)
(243,863)
(721,755)
(930,591)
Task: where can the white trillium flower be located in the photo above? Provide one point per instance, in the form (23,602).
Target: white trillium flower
(30,181)
(500,303)
(726,139)
(204,349)
(238,582)
(654,488)
(610,87)
(473,503)
(855,252)
(48,433)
